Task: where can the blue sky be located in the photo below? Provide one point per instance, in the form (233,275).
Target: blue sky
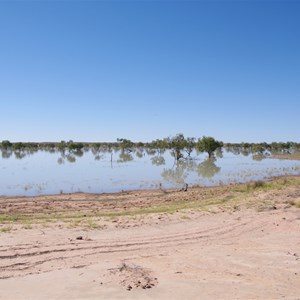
(102,70)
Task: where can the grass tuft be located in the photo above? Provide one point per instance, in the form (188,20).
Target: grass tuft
(255,185)
(295,203)
(6,229)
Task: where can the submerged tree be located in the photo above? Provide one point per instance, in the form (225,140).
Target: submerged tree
(6,144)
(258,149)
(189,145)
(160,144)
(73,147)
(177,144)
(18,146)
(208,144)
(124,157)
(125,144)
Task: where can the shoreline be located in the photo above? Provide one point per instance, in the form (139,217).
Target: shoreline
(122,192)
(76,206)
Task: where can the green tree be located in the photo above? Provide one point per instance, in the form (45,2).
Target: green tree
(208,144)
(6,144)
(159,144)
(61,146)
(74,146)
(177,144)
(189,145)
(258,149)
(18,146)
(125,144)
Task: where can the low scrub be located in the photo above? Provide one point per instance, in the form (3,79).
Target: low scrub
(295,203)
(255,185)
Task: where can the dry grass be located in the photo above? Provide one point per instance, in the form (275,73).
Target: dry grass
(295,203)
(230,198)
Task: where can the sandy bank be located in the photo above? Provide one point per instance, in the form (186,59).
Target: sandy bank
(231,242)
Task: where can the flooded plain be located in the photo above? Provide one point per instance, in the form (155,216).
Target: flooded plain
(53,172)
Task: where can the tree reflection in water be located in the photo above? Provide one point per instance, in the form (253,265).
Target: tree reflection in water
(158,160)
(60,161)
(77,153)
(258,157)
(6,153)
(20,154)
(180,171)
(183,168)
(151,152)
(98,157)
(71,158)
(124,157)
(208,168)
(175,175)
(139,153)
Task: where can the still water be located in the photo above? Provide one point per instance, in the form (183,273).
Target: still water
(54,172)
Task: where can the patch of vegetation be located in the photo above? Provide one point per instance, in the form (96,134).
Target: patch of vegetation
(27,225)
(185,217)
(295,203)
(6,229)
(256,185)
(276,184)
(91,224)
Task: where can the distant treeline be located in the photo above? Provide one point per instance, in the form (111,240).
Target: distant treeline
(165,143)
(262,147)
(176,144)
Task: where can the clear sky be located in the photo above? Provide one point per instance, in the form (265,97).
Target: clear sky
(102,70)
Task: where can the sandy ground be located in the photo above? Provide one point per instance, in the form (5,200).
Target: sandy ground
(153,244)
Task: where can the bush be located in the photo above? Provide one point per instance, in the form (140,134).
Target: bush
(208,144)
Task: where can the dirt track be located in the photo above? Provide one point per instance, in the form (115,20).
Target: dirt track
(247,247)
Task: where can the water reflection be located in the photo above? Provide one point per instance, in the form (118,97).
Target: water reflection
(60,161)
(139,153)
(124,157)
(245,152)
(184,168)
(158,160)
(71,158)
(19,153)
(258,157)
(208,168)
(219,153)
(78,153)
(151,152)
(98,157)
(6,153)
(136,168)
(175,175)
